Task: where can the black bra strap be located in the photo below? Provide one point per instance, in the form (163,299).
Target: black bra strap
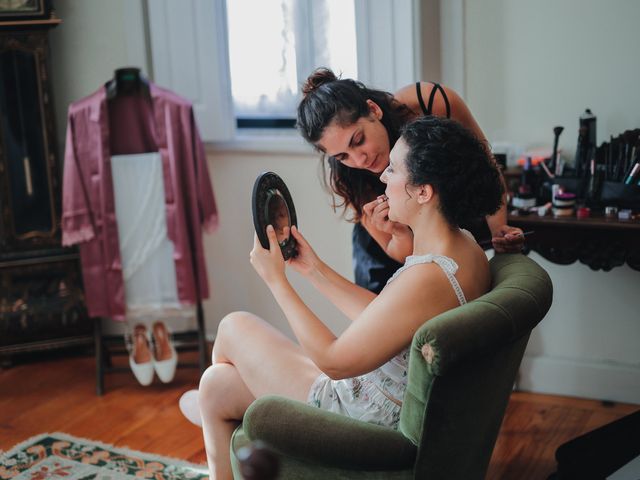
(431,97)
(420,100)
(446,100)
(436,87)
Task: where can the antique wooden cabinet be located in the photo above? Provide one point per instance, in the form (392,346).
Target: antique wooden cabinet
(41,301)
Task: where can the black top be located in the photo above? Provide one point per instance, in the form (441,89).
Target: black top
(372,266)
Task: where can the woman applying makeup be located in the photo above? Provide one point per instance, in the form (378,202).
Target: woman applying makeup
(355,128)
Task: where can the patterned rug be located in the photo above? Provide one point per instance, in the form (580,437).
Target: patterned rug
(58,456)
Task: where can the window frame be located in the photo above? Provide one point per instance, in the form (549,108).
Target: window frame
(396,45)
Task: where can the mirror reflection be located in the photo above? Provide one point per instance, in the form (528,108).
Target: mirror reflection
(277,214)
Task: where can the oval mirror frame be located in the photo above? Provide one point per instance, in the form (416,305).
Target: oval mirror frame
(267,188)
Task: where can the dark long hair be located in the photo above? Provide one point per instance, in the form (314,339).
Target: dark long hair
(326,98)
(457,165)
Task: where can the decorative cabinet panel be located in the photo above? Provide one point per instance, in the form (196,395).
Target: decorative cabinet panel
(29,173)
(41,301)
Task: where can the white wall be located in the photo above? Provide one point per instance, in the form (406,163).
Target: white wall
(530,66)
(94,39)
(587,346)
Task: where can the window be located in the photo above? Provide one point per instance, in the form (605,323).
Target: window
(246,59)
(273,50)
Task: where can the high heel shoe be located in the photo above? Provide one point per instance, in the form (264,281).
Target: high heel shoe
(140,358)
(165,356)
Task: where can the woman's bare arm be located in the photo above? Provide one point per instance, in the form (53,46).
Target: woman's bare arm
(384,328)
(349,298)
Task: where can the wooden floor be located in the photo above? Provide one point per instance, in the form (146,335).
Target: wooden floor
(59,395)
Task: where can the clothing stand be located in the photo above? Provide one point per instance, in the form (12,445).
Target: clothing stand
(129,81)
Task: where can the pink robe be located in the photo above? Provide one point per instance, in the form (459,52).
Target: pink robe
(98,129)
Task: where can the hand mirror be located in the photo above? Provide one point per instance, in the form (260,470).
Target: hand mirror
(272,205)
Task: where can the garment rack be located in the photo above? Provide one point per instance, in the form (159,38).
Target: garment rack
(129,81)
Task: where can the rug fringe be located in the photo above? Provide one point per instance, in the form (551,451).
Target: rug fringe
(123,450)
(20,446)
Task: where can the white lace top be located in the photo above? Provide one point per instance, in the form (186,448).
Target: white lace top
(376,397)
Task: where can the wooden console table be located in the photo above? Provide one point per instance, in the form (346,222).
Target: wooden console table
(598,242)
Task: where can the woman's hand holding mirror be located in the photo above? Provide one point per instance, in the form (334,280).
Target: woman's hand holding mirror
(268,262)
(306,261)
(272,205)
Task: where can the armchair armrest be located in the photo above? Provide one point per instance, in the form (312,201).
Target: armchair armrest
(308,433)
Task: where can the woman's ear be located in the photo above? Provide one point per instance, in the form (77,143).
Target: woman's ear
(375,109)
(425,194)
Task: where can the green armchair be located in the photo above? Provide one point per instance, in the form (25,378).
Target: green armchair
(462,368)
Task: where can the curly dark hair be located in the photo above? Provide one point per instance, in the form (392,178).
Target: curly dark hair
(448,156)
(327,98)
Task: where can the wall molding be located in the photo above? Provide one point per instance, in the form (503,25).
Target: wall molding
(137,36)
(452,44)
(585,379)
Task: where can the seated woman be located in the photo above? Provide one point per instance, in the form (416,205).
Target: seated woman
(439,176)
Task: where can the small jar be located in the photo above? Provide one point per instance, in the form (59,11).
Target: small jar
(611,211)
(583,212)
(563,200)
(524,201)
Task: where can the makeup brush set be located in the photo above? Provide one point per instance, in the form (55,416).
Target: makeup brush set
(621,158)
(601,176)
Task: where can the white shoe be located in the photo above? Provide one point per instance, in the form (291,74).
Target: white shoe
(190,407)
(165,359)
(140,358)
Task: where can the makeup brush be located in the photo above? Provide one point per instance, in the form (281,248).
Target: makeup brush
(629,137)
(556,132)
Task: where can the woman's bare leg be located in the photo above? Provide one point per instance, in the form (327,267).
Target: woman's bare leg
(223,400)
(251,359)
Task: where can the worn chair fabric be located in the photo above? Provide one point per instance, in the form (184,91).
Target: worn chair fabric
(462,368)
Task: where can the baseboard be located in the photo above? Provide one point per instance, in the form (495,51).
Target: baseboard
(574,378)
